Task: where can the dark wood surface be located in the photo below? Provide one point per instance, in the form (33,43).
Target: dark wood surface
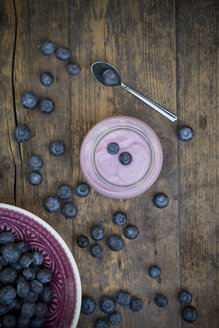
(167,51)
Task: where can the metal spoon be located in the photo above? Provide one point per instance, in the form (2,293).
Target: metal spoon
(108,75)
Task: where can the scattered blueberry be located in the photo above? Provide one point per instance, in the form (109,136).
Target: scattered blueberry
(125,158)
(46,294)
(83,241)
(11,253)
(82,190)
(136,305)
(8,276)
(38,258)
(63,53)
(52,204)
(57,148)
(36,286)
(29,274)
(185,133)
(111,78)
(131,232)
(96,251)
(47,79)
(7,294)
(189,314)
(107,305)
(123,298)
(35,178)
(185,298)
(154,272)
(23,288)
(70,210)
(73,69)
(115,318)
(48,48)
(113,148)
(64,192)
(28,309)
(161,200)
(44,276)
(120,218)
(88,305)
(46,106)
(161,301)
(41,309)
(115,243)
(9,321)
(35,163)
(26,260)
(97,233)
(100,323)
(22,133)
(6,238)
(29,100)
(37,322)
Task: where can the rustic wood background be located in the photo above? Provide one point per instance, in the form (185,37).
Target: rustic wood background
(167,51)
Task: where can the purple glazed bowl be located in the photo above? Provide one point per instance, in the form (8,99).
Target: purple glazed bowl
(64,309)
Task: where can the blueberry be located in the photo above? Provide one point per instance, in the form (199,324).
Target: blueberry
(73,69)
(28,309)
(26,260)
(115,318)
(131,232)
(36,286)
(161,301)
(44,276)
(24,247)
(64,192)
(32,297)
(22,133)
(96,251)
(185,133)
(83,241)
(18,302)
(189,314)
(35,163)
(97,233)
(23,321)
(57,148)
(136,305)
(38,258)
(8,276)
(88,305)
(154,272)
(3,310)
(125,158)
(82,190)
(161,200)
(6,238)
(9,321)
(37,322)
(101,324)
(111,78)
(63,53)
(7,295)
(107,305)
(29,274)
(3,261)
(11,253)
(123,298)
(52,204)
(41,309)
(70,210)
(113,148)
(35,178)
(46,294)
(23,288)
(115,243)
(185,298)
(29,100)
(47,79)
(46,106)
(48,48)
(120,218)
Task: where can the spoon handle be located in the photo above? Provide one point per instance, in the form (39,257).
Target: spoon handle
(149,102)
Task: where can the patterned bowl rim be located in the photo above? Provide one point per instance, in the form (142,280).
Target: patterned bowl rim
(67,250)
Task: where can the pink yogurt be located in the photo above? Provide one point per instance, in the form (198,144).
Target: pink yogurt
(105,173)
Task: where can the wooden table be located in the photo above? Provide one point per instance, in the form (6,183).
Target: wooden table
(167,51)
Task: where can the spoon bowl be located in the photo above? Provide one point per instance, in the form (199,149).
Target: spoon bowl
(99,68)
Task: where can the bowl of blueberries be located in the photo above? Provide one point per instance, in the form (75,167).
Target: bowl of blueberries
(39,280)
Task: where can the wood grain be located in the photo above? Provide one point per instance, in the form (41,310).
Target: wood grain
(166,50)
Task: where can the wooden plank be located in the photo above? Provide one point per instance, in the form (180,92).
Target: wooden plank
(196,58)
